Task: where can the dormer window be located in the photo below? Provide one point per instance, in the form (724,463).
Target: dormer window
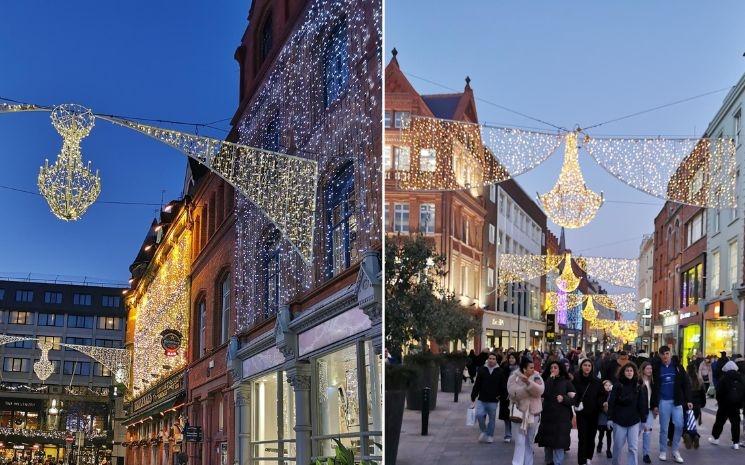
(265,39)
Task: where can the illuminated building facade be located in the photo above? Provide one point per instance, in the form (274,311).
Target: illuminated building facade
(306,358)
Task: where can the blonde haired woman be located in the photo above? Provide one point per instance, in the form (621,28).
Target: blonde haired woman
(525,388)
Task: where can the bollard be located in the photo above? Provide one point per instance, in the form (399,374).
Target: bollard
(456,385)
(425,410)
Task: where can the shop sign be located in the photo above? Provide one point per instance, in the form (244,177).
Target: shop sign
(657,329)
(164,390)
(671,320)
(340,327)
(170,340)
(193,433)
(17,404)
(18,446)
(550,327)
(497,322)
(685,315)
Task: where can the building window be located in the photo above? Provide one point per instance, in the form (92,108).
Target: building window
(224,290)
(109,322)
(272,399)
(695,228)
(500,243)
(55,341)
(388,119)
(733,278)
(733,211)
(80,321)
(427,218)
(692,285)
(18,365)
(738,126)
(341,221)
(492,233)
(27,344)
(402,119)
(401,217)
(336,68)
(81,299)
(493,193)
(50,319)
(52,297)
(100,370)
(201,326)
(387,158)
(77,368)
(265,44)
(465,231)
(24,296)
(109,343)
(464,280)
(490,277)
(427,160)
(80,341)
(111,301)
(2,294)
(402,158)
(271,273)
(20,318)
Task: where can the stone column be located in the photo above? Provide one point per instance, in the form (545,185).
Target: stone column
(369,297)
(299,376)
(242,397)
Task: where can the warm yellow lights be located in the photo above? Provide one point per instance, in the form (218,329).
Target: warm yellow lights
(68,186)
(514,268)
(567,281)
(43,367)
(621,329)
(570,203)
(589,313)
(617,271)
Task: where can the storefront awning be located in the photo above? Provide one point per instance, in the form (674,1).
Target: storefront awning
(154,410)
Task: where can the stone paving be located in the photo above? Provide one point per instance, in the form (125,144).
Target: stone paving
(451,442)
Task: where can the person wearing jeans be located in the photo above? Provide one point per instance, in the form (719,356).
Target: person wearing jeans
(671,390)
(645,379)
(627,407)
(488,389)
(525,388)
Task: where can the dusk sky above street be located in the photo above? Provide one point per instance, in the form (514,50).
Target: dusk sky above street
(579,65)
(138,58)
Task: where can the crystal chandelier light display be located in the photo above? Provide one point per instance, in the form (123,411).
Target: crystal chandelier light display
(43,367)
(68,186)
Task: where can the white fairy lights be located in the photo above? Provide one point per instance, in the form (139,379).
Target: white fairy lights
(68,186)
(467,155)
(617,271)
(514,268)
(112,358)
(695,171)
(570,203)
(43,367)
(567,281)
(291,113)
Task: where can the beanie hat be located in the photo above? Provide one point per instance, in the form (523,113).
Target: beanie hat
(729,366)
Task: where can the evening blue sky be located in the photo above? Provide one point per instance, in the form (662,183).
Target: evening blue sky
(579,63)
(150,59)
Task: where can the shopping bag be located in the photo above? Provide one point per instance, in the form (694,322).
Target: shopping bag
(471,416)
(690,422)
(711,392)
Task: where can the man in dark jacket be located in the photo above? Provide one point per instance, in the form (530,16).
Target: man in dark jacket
(730,396)
(671,390)
(488,389)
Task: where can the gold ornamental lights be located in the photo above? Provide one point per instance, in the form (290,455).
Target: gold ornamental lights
(567,281)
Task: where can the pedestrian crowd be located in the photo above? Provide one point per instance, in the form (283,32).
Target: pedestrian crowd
(610,398)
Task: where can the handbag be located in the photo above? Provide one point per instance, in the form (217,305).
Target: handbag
(579,407)
(471,416)
(516,416)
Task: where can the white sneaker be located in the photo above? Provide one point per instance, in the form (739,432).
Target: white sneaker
(508,440)
(735,446)
(677,457)
(482,437)
(663,456)
(713,441)
(490,439)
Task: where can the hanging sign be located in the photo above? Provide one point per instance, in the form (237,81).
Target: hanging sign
(170,340)
(550,327)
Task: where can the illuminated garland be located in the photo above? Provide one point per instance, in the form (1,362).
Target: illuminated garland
(623,303)
(570,203)
(691,171)
(116,360)
(164,304)
(13,107)
(6,431)
(6,339)
(621,329)
(555,300)
(618,271)
(514,268)
(567,281)
(289,109)
(281,186)
(467,154)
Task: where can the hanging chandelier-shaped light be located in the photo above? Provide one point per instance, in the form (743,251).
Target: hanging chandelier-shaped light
(589,313)
(68,186)
(43,367)
(567,281)
(570,203)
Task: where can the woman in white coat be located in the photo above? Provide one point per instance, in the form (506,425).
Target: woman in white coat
(525,388)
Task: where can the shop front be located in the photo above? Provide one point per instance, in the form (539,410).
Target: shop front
(690,334)
(720,327)
(669,336)
(313,379)
(505,330)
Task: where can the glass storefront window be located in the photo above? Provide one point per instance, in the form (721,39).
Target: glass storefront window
(338,399)
(690,342)
(721,334)
(373,370)
(272,418)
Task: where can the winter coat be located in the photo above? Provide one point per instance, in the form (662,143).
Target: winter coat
(627,404)
(681,389)
(526,396)
(610,370)
(592,395)
(725,383)
(489,387)
(556,418)
(504,407)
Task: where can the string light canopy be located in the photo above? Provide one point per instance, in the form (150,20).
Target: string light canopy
(620,329)
(68,186)
(116,360)
(694,171)
(622,303)
(43,367)
(567,281)
(513,267)
(570,203)
(7,339)
(453,155)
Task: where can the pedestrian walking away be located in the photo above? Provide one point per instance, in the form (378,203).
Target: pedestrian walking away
(525,388)
(670,392)
(730,396)
(627,409)
(509,366)
(486,392)
(556,419)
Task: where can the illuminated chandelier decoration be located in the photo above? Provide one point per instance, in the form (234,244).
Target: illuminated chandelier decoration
(466,155)
(620,329)
(570,203)
(693,171)
(567,281)
(43,367)
(554,300)
(116,360)
(68,186)
(589,313)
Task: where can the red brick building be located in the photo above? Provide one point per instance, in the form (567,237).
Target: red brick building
(679,268)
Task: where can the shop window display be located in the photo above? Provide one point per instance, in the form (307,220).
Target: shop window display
(691,342)
(721,335)
(272,418)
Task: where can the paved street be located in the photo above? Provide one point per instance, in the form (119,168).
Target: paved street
(450,442)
